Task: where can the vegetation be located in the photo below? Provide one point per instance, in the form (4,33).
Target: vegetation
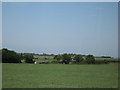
(58,57)
(78,58)
(90,59)
(0,56)
(66,58)
(60,76)
(9,56)
(55,74)
(28,58)
(106,57)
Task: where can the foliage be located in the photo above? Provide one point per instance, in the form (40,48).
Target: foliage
(78,58)
(90,59)
(0,55)
(59,76)
(66,58)
(58,57)
(106,57)
(54,62)
(29,58)
(9,56)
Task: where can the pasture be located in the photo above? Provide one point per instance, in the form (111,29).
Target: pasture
(43,58)
(59,76)
(0,75)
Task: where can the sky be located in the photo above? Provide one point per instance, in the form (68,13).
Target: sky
(61,27)
(0,24)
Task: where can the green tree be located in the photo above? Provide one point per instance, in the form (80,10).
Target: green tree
(66,58)
(28,58)
(9,56)
(58,57)
(78,58)
(90,59)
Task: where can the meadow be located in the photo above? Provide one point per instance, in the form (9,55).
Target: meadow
(59,76)
(0,75)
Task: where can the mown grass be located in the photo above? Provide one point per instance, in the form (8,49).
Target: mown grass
(0,75)
(60,76)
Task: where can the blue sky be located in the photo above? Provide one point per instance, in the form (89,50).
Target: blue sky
(80,27)
(0,24)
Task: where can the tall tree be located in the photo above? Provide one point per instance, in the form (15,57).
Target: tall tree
(90,59)
(29,58)
(9,56)
(66,58)
(78,58)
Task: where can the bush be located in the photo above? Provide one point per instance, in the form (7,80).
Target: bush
(54,62)
(58,57)
(9,56)
(78,58)
(28,58)
(66,58)
(101,62)
(90,59)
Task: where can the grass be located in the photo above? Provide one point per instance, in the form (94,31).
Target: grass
(42,58)
(60,76)
(109,59)
(1,76)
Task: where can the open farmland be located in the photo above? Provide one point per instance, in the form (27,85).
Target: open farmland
(60,76)
(109,59)
(43,58)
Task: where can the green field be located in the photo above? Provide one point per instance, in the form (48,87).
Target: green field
(1,76)
(60,76)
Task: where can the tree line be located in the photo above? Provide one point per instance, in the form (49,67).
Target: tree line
(74,58)
(10,56)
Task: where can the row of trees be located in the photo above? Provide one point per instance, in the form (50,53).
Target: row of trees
(9,56)
(67,58)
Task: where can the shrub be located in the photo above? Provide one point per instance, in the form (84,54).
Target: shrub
(66,58)
(58,57)
(28,58)
(78,58)
(90,59)
(54,62)
(101,62)
(9,56)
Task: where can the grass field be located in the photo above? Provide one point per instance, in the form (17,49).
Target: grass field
(1,76)
(42,58)
(106,59)
(60,76)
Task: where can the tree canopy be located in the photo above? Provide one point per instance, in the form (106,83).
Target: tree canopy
(78,58)
(66,58)
(9,56)
(90,59)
